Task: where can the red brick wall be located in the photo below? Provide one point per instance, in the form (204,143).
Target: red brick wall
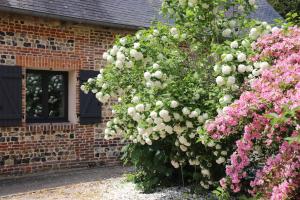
(35,43)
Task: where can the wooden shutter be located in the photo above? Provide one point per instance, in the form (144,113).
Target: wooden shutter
(90,107)
(10,96)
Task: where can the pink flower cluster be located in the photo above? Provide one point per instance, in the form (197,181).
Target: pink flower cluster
(278,87)
(280,175)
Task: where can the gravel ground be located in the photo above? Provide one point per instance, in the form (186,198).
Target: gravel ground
(88,184)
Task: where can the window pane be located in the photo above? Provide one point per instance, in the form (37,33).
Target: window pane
(34,91)
(56,104)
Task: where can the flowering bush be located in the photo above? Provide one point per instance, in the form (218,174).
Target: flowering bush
(161,79)
(264,164)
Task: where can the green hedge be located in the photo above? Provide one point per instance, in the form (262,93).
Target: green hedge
(286,6)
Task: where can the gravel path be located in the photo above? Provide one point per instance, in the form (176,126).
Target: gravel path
(87,184)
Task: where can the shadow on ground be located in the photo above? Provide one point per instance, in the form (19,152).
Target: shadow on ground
(30,183)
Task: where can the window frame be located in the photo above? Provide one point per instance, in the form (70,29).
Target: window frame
(45,74)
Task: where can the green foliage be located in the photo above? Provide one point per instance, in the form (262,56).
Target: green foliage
(163,80)
(293,18)
(286,6)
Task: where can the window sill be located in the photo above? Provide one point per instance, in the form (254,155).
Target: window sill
(50,126)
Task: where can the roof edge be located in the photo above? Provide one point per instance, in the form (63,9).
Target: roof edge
(66,18)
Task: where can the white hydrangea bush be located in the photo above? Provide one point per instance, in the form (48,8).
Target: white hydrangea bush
(161,84)
(235,66)
(159,96)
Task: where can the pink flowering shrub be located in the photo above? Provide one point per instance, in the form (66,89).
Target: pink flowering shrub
(264,164)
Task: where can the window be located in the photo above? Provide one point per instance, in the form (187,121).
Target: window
(46,96)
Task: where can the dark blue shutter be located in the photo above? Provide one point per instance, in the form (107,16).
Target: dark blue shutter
(90,107)
(10,96)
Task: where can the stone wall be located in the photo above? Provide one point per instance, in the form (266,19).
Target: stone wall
(37,43)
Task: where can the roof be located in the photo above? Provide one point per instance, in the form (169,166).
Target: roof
(116,13)
(265,12)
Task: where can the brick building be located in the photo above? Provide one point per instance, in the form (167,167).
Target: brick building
(47,48)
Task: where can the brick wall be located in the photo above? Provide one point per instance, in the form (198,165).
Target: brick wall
(35,43)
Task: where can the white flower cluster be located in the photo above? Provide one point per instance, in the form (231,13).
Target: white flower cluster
(155,79)
(236,63)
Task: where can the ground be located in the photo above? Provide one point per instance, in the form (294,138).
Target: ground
(83,184)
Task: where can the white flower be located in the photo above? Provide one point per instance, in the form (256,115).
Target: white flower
(135,99)
(131,111)
(220,81)
(227,98)
(245,43)
(169,129)
(200,119)
(226,69)
(234,45)
(193,114)
(110,59)
(253,33)
(133,52)
(218,147)
(104,56)
(84,89)
(182,2)
(155,66)
(163,113)
(216,153)
(256,72)
(211,144)
(178,129)
(223,153)
(119,64)
(175,164)
(242,68)
(149,121)
(153,114)
(173,31)
(136,45)
(241,57)
(227,33)
(139,56)
(192,135)
(176,116)
(140,108)
(264,65)
(275,29)
(205,186)
(148,141)
(205,115)
(249,68)
(155,32)
(185,111)
(241,8)
(182,140)
(230,80)
(123,41)
(220,160)
(183,148)
(252,2)
(157,74)
(129,64)
(159,103)
(147,75)
(232,23)
(205,172)
(120,56)
(228,58)
(217,68)
(205,6)
(114,50)
(189,124)
(192,3)
(174,104)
